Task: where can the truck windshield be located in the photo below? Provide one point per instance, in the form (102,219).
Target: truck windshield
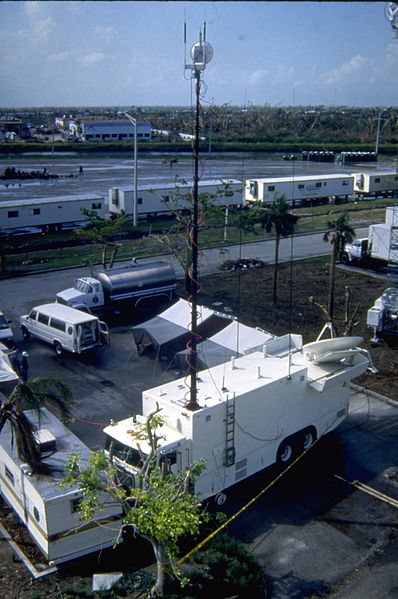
(127,454)
(82,286)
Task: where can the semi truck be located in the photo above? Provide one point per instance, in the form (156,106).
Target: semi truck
(256,410)
(380,248)
(135,286)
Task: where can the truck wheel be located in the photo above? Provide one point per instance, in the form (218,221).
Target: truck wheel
(58,348)
(285,452)
(25,333)
(220,499)
(345,258)
(308,439)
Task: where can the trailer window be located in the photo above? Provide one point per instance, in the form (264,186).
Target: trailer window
(36,514)
(377,179)
(318,184)
(271,187)
(75,505)
(96,206)
(35,211)
(301,185)
(13,214)
(345,182)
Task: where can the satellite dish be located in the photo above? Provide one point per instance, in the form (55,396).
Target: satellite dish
(391,11)
(201,54)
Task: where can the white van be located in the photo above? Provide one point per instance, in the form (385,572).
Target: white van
(6,334)
(64,328)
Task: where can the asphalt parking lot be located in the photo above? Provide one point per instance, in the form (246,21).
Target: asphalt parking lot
(313,533)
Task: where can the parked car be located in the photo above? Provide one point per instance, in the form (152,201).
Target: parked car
(6,334)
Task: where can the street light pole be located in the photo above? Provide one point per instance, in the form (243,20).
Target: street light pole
(133,121)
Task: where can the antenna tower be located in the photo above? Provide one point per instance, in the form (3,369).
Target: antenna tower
(201,54)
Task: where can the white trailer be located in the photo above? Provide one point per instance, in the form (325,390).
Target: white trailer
(376,183)
(51,514)
(167,198)
(45,213)
(255,410)
(303,189)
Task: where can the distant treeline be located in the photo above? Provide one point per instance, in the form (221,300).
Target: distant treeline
(217,146)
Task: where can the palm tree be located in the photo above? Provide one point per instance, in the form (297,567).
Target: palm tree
(338,234)
(278,217)
(33,394)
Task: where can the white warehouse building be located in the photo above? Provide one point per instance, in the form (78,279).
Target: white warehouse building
(114,130)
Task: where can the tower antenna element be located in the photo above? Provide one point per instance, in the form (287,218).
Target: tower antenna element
(201,55)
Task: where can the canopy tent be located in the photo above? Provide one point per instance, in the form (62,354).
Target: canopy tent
(234,340)
(170,332)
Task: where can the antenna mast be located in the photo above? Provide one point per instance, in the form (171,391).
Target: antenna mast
(201,54)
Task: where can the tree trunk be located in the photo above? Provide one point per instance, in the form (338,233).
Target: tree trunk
(332,278)
(276,261)
(163,565)
(104,256)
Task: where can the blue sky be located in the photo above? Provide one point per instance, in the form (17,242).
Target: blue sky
(132,53)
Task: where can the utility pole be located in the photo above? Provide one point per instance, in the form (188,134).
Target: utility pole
(201,54)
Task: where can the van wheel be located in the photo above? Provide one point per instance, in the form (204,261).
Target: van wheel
(58,348)
(25,333)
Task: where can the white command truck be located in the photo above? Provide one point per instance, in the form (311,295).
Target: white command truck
(379,248)
(134,285)
(268,406)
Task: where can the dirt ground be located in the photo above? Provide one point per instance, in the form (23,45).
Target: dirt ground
(247,294)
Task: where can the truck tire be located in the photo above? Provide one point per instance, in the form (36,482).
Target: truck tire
(344,258)
(25,333)
(285,451)
(308,436)
(58,348)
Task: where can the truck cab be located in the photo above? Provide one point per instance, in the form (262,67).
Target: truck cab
(86,294)
(357,250)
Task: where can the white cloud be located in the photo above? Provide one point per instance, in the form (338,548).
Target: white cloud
(106,33)
(345,71)
(60,57)
(258,76)
(92,58)
(33,8)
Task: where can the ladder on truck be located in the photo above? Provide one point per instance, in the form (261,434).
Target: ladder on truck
(229,459)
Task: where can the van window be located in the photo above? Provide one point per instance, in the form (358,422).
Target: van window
(58,324)
(43,318)
(33,314)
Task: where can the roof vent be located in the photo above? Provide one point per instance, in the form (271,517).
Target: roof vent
(45,440)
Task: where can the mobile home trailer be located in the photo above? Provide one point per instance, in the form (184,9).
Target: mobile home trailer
(51,514)
(167,198)
(376,183)
(303,189)
(255,410)
(48,213)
